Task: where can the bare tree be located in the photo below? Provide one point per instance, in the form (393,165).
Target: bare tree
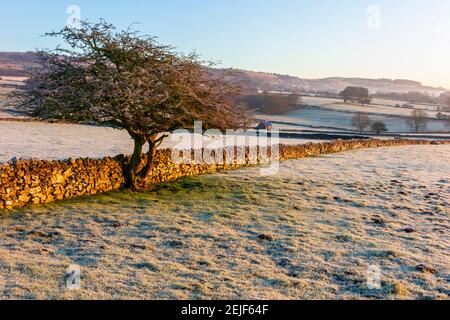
(130,82)
(361,122)
(417,121)
(379,127)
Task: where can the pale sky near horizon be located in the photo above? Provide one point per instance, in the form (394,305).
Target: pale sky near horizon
(408,39)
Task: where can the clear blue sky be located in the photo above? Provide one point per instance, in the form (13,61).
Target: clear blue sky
(307,38)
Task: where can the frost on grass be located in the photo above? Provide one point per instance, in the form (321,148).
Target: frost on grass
(312,231)
(58,141)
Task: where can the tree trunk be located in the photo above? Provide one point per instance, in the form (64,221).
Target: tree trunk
(152,145)
(131,170)
(132,174)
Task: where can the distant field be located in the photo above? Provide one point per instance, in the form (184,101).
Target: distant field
(13,79)
(393,103)
(7,85)
(322,119)
(332,114)
(310,232)
(62,141)
(384,107)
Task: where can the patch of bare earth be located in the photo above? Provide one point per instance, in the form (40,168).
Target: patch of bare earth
(312,231)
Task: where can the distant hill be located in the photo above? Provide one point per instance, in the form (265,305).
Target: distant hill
(260,81)
(16,64)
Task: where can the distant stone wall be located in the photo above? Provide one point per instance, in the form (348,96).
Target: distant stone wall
(25,182)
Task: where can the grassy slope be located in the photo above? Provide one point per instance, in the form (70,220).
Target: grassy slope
(198,238)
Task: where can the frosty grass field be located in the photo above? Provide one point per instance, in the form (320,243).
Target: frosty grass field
(311,231)
(62,141)
(327,113)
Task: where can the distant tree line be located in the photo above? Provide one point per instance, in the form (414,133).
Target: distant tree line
(419,97)
(272,103)
(362,95)
(356,94)
(412,96)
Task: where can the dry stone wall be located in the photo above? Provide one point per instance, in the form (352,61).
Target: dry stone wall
(37,181)
(25,182)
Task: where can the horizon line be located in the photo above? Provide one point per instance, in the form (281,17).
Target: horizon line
(437,87)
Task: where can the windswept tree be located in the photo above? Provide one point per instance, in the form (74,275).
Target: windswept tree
(129,81)
(361,122)
(417,121)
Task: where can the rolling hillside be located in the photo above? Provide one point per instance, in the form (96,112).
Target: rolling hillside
(16,64)
(275,82)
